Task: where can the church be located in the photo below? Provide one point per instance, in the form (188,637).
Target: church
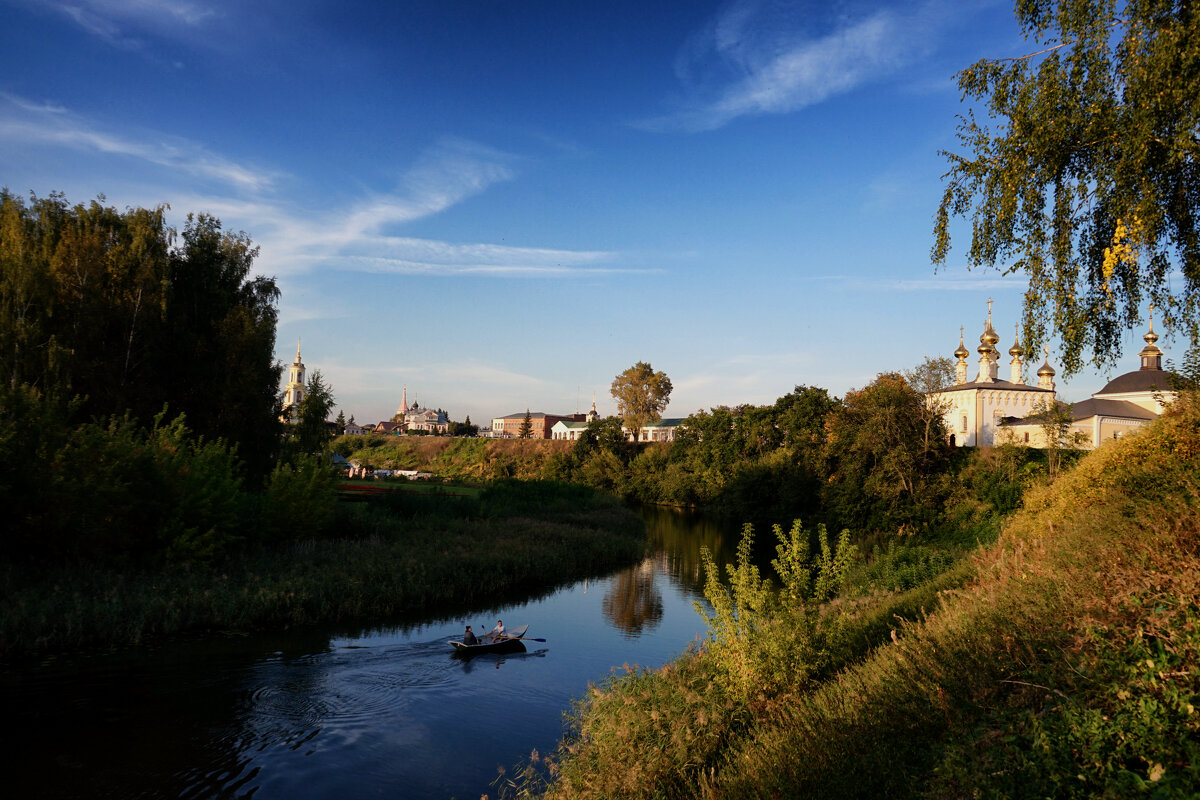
(419,419)
(974,410)
(988,411)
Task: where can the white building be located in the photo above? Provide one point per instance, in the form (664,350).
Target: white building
(975,410)
(1126,403)
(661,431)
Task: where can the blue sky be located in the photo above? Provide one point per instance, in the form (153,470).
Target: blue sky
(503,204)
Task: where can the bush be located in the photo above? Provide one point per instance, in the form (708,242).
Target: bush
(299,501)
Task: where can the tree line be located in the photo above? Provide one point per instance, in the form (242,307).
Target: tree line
(876,459)
(139,391)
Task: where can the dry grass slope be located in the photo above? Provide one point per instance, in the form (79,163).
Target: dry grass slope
(1069,666)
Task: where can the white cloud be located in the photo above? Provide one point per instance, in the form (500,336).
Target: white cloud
(770,58)
(47,124)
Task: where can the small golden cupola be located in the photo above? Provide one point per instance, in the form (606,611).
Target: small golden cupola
(962,353)
(1046,372)
(1016,364)
(1151,354)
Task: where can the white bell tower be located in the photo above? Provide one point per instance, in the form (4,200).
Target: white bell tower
(294,392)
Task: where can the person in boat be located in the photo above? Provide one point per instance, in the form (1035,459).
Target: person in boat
(469,637)
(497,633)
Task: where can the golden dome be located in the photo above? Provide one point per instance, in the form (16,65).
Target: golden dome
(962,351)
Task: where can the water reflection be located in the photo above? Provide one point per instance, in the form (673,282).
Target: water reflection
(633,602)
(678,536)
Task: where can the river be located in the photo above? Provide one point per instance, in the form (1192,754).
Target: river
(381,712)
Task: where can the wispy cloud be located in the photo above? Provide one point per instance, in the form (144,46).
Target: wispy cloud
(121,22)
(360,236)
(357,236)
(47,124)
(758,57)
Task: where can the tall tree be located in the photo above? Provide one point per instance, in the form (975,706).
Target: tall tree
(1085,176)
(929,378)
(526,429)
(98,304)
(310,433)
(878,466)
(641,394)
(221,368)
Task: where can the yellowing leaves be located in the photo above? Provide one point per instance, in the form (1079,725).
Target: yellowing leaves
(1123,250)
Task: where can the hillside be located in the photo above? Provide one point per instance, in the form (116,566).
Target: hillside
(455,459)
(1065,663)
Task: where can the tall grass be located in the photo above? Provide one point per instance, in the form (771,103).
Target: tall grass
(1059,661)
(514,541)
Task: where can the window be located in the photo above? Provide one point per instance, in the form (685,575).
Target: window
(1026,437)
(964,423)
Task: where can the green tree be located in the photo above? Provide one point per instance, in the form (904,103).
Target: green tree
(1054,418)
(641,394)
(931,377)
(526,429)
(101,304)
(310,434)
(1085,175)
(878,466)
(340,422)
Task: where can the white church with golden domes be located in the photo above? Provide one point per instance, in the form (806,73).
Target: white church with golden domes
(988,411)
(974,410)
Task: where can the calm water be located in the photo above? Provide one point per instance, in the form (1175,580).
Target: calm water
(347,714)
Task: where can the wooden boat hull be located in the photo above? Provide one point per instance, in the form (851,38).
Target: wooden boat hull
(509,644)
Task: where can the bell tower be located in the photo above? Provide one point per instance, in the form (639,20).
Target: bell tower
(294,392)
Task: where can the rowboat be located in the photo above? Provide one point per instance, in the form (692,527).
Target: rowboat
(509,643)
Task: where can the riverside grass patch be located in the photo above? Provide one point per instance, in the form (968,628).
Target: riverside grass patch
(1063,660)
(514,540)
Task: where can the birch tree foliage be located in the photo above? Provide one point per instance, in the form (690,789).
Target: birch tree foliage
(1081,171)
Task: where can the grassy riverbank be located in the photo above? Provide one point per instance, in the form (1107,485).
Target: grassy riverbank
(1063,660)
(405,554)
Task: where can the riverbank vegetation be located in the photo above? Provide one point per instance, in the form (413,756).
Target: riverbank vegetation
(1060,660)
(402,555)
(150,487)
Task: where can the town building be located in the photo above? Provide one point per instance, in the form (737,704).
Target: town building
(661,431)
(424,419)
(509,426)
(571,430)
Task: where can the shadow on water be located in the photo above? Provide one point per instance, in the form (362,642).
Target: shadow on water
(494,660)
